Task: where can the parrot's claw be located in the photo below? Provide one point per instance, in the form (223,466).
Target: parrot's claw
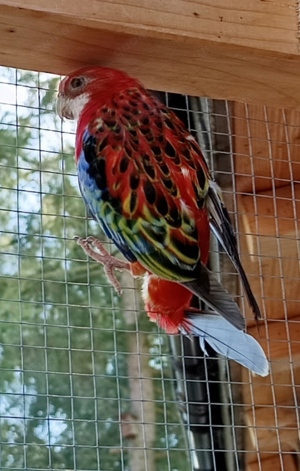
(94,248)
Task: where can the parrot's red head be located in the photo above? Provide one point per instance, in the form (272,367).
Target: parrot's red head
(86,84)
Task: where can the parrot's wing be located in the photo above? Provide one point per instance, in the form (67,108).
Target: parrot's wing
(222,228)
(228,341)
(94,191)
(131,180)
(207,288)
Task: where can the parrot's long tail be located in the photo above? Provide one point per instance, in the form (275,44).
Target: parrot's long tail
(227,340)
(221,226)
(208,289)
(251,299)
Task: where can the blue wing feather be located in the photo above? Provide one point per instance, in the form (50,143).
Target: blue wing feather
(96,200)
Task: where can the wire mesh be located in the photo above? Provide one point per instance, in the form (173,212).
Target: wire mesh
(86,381)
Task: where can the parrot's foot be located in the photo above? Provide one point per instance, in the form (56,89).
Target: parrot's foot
(94,248)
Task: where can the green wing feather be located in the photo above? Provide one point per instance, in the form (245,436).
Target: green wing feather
(150,203)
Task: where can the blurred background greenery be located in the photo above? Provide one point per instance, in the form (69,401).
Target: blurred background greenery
(76,361)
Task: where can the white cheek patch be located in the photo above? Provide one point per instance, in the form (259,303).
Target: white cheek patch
(75,105)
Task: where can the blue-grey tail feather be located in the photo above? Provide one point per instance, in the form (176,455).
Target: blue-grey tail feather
(228,341)
(209,290)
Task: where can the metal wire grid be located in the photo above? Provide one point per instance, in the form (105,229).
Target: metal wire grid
(272,232)
(86,381)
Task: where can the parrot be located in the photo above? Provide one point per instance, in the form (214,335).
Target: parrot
(143,178)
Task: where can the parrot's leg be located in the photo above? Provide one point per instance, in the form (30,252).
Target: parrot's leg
(94,248)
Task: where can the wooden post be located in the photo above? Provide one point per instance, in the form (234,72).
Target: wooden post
(221,49)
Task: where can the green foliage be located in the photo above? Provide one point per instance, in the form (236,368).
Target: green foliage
(63,384)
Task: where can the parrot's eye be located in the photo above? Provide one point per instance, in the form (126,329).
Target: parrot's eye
(77,82)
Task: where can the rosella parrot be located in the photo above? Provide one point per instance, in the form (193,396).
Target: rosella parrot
(143,177)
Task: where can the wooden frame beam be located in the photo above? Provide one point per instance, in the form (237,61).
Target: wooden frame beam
(228,49)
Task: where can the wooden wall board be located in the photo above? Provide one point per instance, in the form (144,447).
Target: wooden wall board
(269,227)
(273,429)
(270,26)
(267,147)
(273,462)
(281,342)
(267,178)
(223,49)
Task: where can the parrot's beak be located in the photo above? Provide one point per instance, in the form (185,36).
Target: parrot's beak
(62,108)
(59,107)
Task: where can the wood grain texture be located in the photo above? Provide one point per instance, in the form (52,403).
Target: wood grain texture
(272,462)
(269,404)
(218,49)
(274,429)
(269,224)
(267,166)
(265,25)
(267,147)
(280,340)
